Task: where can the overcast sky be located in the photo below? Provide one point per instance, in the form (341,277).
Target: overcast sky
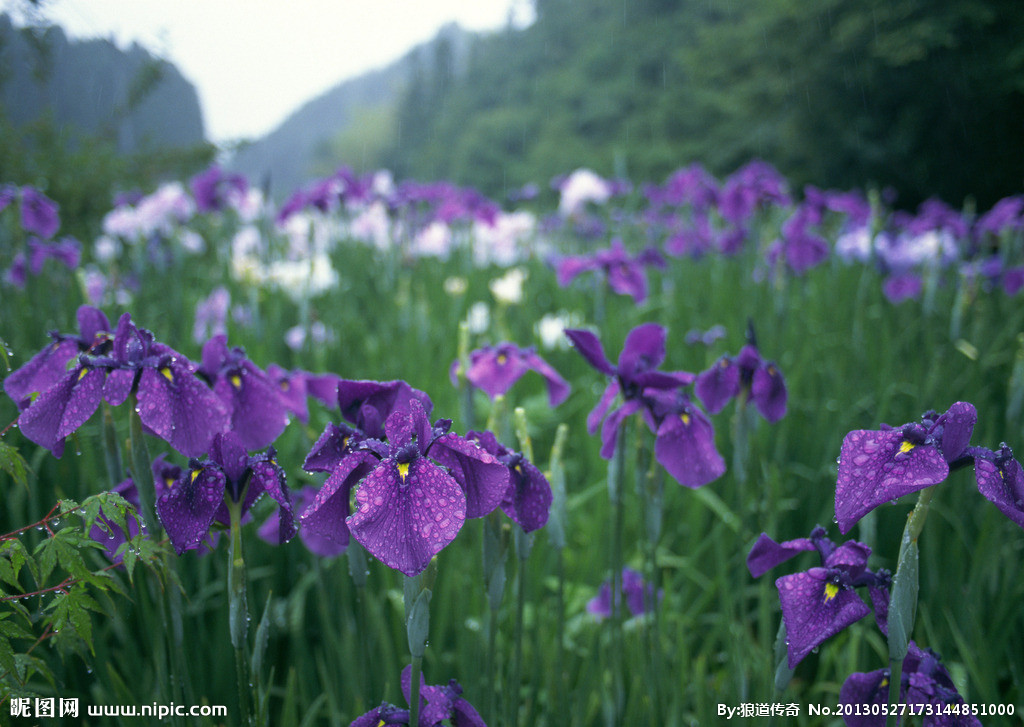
(254,61)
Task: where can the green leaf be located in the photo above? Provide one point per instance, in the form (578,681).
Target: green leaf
(903,603)
(7,662)
(13,464)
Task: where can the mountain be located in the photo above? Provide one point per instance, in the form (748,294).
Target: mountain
(349,124)
(92,88)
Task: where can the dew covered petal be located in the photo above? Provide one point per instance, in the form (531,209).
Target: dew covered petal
(63,408)
(685,447)
(181,410)
(404,522)
(43,370)
(718,385)
(1001,481)
(879,466)
(327,515)
(188,507)
(766,553)
(589,346)
(643,350)
(483,478)
(814,609)
(527,500)
(768,390)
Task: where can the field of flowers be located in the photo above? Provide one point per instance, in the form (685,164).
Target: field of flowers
(392,453)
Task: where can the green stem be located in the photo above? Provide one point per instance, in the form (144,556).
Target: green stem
(417,592)
(141,466)
(495,551)
(238,611)
(111,450)
(616,470)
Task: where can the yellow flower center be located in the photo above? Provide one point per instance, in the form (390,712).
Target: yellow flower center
(403,470)
(906,447)
(831,591)
(166,371)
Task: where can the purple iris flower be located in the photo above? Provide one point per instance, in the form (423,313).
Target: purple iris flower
(213,189)
(747,374)
(1000,479)
(190,506)
(258,414)
(821,602)
(496,368)
(367,404)
(625,273)
(38,213)
(172,403)
(799,247)
(528,497)
(878,466)
(67,251)
(270,530)
(415,487)
(684,437)
(112,536)
(749,188)
(639,596)
(437,704)
(49,366)
(924,681)
(903,286)
(291,390)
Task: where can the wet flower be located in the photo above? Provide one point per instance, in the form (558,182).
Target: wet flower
(270,530)
(878,466)
(527,501)
(1001,480)
(494,369)
(821,602)
(172,403)
(640,597)
(438,704)
(252,400)
(190,506)
(924,682)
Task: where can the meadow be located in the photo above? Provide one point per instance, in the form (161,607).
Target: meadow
(833,312)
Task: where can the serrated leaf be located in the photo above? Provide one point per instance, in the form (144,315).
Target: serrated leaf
(7,662)
(13,464)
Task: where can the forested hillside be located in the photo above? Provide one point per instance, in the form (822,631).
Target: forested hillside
(926,97)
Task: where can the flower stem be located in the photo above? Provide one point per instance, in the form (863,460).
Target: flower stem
(238,610)
(495,550)
(417,592)
(616,470)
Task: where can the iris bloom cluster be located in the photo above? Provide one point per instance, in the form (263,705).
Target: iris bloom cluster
(746,376)
(822,601)
(684,437)
(437,704)
(640,596)
(626,274)
(417,482)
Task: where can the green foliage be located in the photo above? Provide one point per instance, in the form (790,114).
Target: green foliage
(49,590)
(916,95)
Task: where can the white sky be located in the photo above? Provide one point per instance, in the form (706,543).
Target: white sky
(255,61)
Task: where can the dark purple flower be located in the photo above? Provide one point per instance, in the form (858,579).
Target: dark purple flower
(625,273)
(325,547)
(821,602)
(368,404)
(67,251)
(172,403)
(438,705)
(749,188)
(38,213)
(878,466)
(494,369)
(1001,480)
(528,497)
(190,506)
(639,596)
(409,505)
(17,274)
(747,372)
(291,389)
(257,412)
(924,682)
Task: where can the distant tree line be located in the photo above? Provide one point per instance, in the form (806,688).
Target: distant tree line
(923,96)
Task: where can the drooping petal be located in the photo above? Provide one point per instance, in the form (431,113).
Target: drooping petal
(814,609)
(611,425)
(187,509)
(45,369)
(327,515)
(685,447)
(408,424)
(269,477)
(768,391)
(1001,481)
(860,691)
(368,404)
(495,370)
(482,477)
(258,415)
(528,497)
(590,348)
(766,553)
(718,385)
(880,466)
(386,715)
(334,444)
(603,405)
(63,408)
(180,409)
(404,521)
(91,323)
(558,387)
(958,425)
